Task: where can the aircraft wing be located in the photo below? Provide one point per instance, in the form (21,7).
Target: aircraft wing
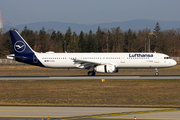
(86,64)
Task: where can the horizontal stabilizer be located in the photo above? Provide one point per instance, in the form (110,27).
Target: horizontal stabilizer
(13,57)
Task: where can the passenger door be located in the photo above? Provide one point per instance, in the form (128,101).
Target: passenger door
(122,59)
(156,59)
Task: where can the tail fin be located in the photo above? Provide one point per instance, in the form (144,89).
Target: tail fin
(23,52)
(19,44)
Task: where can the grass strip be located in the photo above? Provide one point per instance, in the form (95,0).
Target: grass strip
(147,93)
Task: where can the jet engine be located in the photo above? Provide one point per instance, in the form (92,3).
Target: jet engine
(106,69)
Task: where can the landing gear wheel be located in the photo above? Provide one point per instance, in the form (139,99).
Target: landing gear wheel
(156,73)
(91,73)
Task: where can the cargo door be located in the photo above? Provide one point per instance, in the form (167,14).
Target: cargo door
(35,60)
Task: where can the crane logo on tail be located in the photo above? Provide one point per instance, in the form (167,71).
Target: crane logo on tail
(19,46)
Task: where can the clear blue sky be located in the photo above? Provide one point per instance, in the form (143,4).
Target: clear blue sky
(88,11)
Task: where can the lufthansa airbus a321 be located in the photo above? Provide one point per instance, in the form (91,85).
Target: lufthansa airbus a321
(95,62)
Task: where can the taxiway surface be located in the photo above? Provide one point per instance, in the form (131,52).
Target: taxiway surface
(97,77)
(14,112)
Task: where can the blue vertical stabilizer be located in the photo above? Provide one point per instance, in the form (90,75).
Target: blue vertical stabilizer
(19,44)
(23,52)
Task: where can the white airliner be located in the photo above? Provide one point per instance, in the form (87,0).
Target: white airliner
(95,62)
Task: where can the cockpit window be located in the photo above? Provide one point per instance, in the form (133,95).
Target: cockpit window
(167,58)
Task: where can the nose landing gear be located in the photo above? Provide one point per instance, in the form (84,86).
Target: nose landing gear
(156,72)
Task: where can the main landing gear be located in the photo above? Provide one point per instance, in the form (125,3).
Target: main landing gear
(156,72)
(91,73)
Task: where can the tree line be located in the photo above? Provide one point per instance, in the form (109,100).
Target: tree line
(104,40)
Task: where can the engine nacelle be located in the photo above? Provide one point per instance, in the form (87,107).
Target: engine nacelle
(106,69)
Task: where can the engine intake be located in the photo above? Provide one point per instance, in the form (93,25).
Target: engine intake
(106,69)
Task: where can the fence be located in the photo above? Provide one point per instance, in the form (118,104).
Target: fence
(177,59)
(7,61)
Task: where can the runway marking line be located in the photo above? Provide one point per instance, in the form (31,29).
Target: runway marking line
(118,114)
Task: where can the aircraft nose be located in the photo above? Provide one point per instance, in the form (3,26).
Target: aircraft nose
(174,63)
(171,63)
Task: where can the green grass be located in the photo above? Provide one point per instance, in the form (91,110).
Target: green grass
(152,93)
